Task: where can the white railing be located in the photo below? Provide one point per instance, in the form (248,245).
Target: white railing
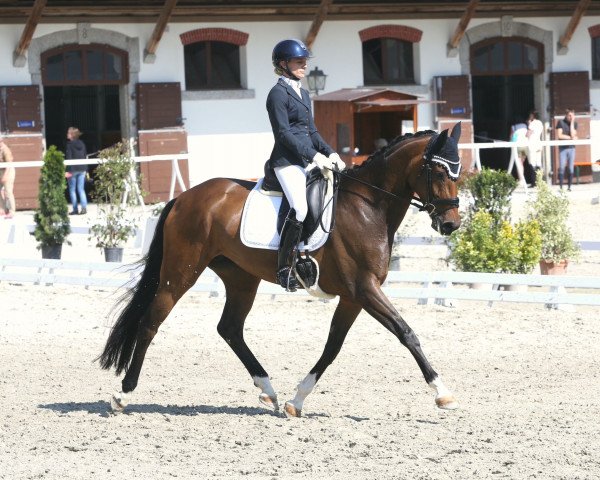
(439,287)
(546,144)
(176,176)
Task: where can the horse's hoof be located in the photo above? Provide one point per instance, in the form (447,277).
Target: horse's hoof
(447,402)
(118,402)
(292,411)
(269,402)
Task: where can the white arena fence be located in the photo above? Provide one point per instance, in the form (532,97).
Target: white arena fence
(443,287)
(544,144)
(173,158)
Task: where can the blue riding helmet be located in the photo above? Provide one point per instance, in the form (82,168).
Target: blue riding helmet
(287,49)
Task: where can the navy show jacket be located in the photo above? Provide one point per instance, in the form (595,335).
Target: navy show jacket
(296,138)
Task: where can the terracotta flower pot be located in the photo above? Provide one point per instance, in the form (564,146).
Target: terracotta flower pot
(553,268)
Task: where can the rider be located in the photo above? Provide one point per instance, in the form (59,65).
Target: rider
(298,147)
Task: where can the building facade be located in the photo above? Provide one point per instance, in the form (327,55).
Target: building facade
(202,88)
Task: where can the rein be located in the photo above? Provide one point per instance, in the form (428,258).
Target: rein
(375,187)
(430,205)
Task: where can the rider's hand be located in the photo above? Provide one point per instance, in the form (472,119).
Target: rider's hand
(322,161)
(337,162)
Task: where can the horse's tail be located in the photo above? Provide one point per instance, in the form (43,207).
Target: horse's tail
(122,339)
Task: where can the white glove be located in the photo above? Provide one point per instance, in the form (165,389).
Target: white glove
(322,161)
(338,163)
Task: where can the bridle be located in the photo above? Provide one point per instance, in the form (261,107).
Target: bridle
(432,205)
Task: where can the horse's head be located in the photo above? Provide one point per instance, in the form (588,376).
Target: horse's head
(435,183)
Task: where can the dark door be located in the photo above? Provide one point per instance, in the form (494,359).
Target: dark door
(93,109)
(499,101)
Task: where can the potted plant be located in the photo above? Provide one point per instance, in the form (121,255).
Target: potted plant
(112,182)
(487,241)
(551,211)
(482,246)
(52,225)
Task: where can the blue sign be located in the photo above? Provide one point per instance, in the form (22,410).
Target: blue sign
(25,123)
(456,110)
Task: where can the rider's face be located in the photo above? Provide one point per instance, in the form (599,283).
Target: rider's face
(298,67)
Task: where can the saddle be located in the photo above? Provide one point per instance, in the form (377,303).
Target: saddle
(316,189)
(306,267)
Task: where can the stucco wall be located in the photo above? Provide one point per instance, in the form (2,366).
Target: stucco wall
(231,136)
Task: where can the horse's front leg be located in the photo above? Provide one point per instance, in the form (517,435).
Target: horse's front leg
(343,318)
(378,305)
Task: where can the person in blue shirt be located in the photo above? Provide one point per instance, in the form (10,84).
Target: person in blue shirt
(76,173)
(298,147)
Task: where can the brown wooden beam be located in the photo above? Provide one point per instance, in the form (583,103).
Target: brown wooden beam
(159,29)
(580,10)
(461,28)
(28,31)
(147,11)
(317,22)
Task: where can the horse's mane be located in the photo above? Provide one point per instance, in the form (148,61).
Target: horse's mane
(383,151)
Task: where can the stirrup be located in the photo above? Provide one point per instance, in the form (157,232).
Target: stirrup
(287,279)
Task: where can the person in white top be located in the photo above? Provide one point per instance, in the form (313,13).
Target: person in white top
(518,133)
(535,128)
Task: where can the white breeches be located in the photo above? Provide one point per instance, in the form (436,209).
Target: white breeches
(293,182)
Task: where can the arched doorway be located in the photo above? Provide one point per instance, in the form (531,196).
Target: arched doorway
(81,88)
(503,70)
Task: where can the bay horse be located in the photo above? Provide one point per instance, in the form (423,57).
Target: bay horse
(201,228)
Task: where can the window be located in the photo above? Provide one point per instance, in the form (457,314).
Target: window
(84,65)
(506,56)
(387,61)
(596,58)
(212,65)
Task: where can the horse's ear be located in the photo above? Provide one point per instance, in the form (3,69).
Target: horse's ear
(456,132)
(439,142)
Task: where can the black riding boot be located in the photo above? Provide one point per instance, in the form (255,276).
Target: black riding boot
(286,257)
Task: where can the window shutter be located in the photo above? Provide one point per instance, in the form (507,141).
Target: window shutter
(158,105)
(454,90)
(156,176)
(570,90)
(20,109)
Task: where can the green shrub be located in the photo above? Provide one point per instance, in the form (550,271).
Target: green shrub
(551,211)
(52,225)
(491,191)
(112,181)
(481,246)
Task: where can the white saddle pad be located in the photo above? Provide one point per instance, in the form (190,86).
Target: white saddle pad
(259,220)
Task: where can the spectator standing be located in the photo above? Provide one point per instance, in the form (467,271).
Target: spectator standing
(7,182)
(566,129)
(535,128)
(76,173)
(518,133)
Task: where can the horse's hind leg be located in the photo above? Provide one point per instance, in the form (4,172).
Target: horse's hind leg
(168,294)
(240,288)
(343,318)
(158,311)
